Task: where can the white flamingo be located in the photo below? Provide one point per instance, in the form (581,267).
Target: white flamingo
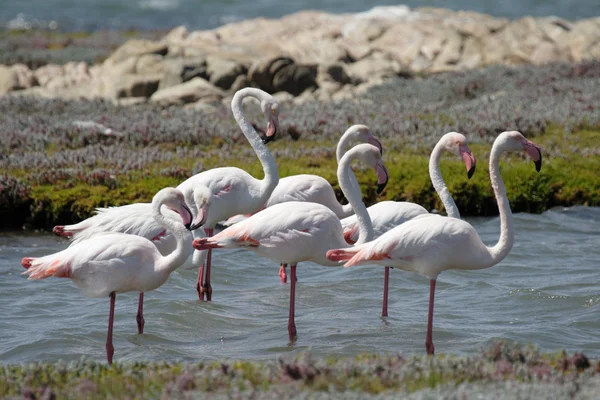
(113,263)
(434,244)
(313,188)
(293,232)
(234,190)
(386,215)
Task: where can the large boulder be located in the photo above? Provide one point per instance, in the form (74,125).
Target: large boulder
(282,74)
(223,73)
(182,69)
(9,80)
(197,89)
(136,47)
(135,86)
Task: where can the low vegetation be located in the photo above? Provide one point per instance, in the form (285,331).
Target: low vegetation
(58,169)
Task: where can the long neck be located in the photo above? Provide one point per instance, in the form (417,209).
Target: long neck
(271,179)
(351,189)
(343,145)
(507,234)
(176,258)
(438,182)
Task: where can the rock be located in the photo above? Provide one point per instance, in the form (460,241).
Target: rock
(295,78)
(135,85)
(188,92)
(545,52)
(123,67)
(377,65)
(149,64)
(240,82)
(179,70)
(136,47)
(48,72)
(25,76)
(334,72)
(131,101)
(223,73)
(283,97)
(9,80)
(262,71)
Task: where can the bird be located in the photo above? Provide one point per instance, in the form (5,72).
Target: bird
(386,215)
(234,190)
(313,188)
(111,263)
(429,245)
(293,232)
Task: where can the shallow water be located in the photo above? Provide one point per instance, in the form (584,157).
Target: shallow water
(205,14)
(545,292)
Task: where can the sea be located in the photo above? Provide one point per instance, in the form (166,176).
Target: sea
(90,15)
(546,292)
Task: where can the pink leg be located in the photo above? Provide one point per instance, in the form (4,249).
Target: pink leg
(386,282)
(140,314)
(199,287)
(291,323)
(207,287)
(110,350)
(282,274)
(429,339)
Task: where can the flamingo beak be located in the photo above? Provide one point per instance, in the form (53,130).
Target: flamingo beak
(382,176)
(186,215)
(272,129)
(469,159)
(200,218)
(375,142)
(534,152)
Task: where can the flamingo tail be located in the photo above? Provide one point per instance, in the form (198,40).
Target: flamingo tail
(69,230)
(362,255)
(204,244)
(338,255)
(45,267)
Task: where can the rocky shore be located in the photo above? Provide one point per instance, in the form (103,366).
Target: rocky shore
(308,55)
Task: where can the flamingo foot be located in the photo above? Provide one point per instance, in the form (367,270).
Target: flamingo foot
(59,230)
(430,348)
(283,274)
(208,291)
(200,290)
(26,262)
(292,332)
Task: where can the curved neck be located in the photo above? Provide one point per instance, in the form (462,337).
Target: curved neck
(507,235)
(438,182)
(351,189)
(271,179)
(176,258)
(343,145)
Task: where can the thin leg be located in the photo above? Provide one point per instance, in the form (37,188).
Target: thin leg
(110,350)
(429,339)
(140,314)
(207,287)
(199,284)
(291,323)
(282,273)
(386,283)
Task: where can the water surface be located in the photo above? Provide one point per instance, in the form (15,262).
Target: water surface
(545,292)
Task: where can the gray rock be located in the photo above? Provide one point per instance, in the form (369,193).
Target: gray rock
(137,47)
(240,82)
(197,89)
(136,85)
(180,70)
(223,73)
(295,78)
(9,80)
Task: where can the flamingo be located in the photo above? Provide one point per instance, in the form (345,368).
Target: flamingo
(386,215)
(313,188)
(430,245)
(112,263)
(234,190)
(293,232)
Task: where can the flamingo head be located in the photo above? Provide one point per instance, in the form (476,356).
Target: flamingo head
(456,143)
(361,133)
(174,200)
(202,197)
(371,156)
(270,109)
(515,141)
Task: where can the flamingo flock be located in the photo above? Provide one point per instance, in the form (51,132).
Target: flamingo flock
(289,221)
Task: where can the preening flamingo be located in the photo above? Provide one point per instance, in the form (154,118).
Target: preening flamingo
(234,190)
(386,215)
(293,232)
(113,263)
(434,244)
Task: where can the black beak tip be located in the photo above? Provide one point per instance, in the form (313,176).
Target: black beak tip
(188,226)
(471,172)
(193,227)
(538,165)
(380,187)
(268,139)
